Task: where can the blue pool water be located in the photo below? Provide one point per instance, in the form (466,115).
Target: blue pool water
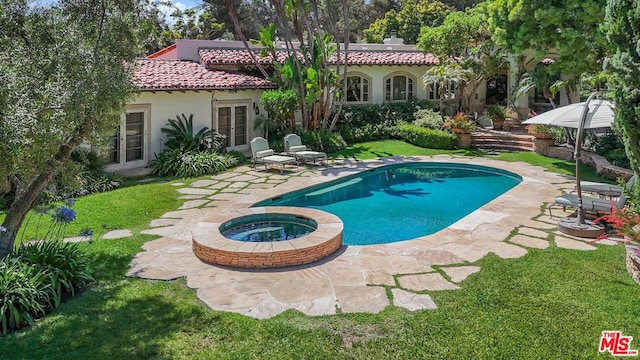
(402,202)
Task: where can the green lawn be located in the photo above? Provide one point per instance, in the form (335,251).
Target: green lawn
(549,304)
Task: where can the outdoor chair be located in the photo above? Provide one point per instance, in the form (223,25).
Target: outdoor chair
(593,204)
(293,146)
(262,154)
(604,189)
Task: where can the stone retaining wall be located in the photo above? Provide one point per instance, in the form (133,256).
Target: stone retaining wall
(602,166)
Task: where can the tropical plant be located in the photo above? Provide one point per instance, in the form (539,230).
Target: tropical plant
(25,292)
(64,263)
(180,135)
(191,163)
(442,78)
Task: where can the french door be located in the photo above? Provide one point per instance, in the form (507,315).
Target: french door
(231,121)
(128,146)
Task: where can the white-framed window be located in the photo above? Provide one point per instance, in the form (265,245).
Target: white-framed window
(399,87)
(434,91)
(358,88)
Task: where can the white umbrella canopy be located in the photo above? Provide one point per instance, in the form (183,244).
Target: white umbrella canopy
(600,115)
(591,114)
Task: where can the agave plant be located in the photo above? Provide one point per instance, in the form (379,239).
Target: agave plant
(180,135)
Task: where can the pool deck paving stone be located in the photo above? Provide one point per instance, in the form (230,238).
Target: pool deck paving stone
(529,242)
(460,273)
(355,278)
(412,301)
(532,232)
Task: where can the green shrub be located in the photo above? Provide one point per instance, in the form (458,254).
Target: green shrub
(360,123)
(428,118)
(25,292)
(280,106)
(426,138)
(239,156)
(64,263)
(191,163)
(322,140)
(83,174)
(277,144)
(612,149)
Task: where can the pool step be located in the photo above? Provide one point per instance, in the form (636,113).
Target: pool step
(334,187)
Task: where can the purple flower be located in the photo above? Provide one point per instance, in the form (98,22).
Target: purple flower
(63,214)
(86,232)
(3,229)
(70,202)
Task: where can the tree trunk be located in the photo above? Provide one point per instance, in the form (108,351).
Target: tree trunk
(26,197)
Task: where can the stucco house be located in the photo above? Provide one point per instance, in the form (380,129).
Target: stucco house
(210,79)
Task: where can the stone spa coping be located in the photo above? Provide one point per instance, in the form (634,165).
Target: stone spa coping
(210,246)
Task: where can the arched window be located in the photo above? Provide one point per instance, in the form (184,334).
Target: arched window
(357,88)
(399,87)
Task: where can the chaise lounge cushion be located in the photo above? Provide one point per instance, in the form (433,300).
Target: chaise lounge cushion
(264,153)
(297,148)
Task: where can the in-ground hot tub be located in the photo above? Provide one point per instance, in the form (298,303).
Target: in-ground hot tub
(267,237)
(268,227)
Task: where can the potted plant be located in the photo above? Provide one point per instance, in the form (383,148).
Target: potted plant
(460,124)
(540,131)
(496,114)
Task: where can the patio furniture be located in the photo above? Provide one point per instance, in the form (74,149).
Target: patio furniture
(262,154)
(293,146)
(603,189)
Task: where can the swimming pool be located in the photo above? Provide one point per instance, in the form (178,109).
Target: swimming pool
(401,202)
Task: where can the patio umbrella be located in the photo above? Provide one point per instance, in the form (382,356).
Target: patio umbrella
(591,114)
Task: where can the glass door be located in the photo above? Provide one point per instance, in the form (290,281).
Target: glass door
(134,136)
(128,143)
(232,123)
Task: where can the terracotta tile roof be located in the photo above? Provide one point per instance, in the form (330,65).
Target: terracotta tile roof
(212,57)
(390,57)
(166,75)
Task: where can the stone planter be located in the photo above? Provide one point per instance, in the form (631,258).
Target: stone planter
(540,145)
(633,262)
(464,140)
(461,131)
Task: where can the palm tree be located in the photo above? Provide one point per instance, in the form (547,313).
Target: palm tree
(444,76)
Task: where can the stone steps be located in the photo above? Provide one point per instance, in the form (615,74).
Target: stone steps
(502,140)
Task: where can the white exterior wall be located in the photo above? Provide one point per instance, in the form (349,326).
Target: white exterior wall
(162,105)
(378,73)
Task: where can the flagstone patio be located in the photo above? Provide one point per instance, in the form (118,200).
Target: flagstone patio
(355,278)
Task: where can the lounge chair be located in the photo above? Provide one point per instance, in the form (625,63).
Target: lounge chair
(262,154)
(603,189)
(596,205)
(293,146)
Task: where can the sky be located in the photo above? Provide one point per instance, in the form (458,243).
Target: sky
(180,4)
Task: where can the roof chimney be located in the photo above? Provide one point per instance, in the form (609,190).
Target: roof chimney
(393,39)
